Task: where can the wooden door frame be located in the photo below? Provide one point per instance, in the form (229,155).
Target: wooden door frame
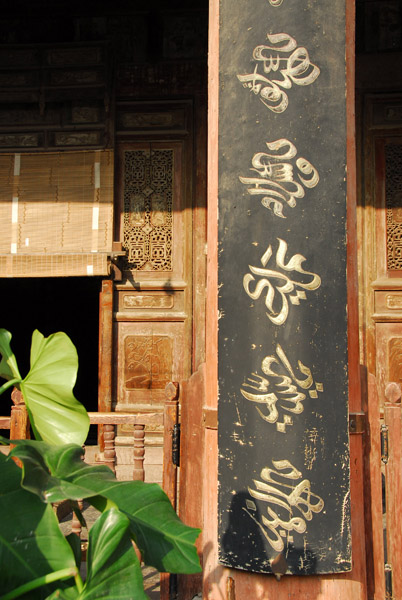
(220,582)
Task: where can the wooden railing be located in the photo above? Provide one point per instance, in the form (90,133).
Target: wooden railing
(110,420)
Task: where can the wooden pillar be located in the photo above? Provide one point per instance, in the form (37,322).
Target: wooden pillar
(105,353)
(219,582)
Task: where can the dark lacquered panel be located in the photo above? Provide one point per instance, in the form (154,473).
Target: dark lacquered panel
(283,437)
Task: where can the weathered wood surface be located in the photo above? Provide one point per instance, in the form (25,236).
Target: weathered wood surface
(191,465)
(169,484)
(393,487)
(373,497)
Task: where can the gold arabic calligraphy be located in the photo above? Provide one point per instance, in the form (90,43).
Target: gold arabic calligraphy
(283,501)
(286,395)
(276,182)
(286,288)
(295,68)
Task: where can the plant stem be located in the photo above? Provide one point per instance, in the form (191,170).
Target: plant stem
(78,582)
(8,384)
(44,580)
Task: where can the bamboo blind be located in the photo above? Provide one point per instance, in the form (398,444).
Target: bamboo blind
(56,213)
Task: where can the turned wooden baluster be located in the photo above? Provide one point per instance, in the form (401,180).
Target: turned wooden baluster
(75,523)
(109,452)
(139,451)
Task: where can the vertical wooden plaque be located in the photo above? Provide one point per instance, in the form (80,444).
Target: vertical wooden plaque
(283,411)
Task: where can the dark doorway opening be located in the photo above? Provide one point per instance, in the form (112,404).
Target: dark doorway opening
(69,304)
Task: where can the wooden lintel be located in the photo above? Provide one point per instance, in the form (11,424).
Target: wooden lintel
(119,418)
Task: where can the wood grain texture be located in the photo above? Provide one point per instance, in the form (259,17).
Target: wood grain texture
(393,494)
(191,469)
(169,484)
(373,495)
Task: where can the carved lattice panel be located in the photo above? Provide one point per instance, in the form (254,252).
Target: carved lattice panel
(393,201)
(148,209)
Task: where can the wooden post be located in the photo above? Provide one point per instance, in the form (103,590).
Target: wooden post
(169,483)
(372,497)
(19,422)
(105,353)
(393,479)
(139,451)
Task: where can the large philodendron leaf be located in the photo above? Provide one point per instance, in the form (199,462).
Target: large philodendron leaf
(55,414)
(113,566)
(113,569)
(31,543)
(56,473)
(8,364)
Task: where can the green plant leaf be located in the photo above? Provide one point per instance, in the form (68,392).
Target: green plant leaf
(31,543)
(66,594)
(75,545)
(56,473)
(55,414)
(114,570)
(8,365)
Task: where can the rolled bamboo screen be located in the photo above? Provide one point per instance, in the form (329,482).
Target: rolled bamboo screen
(56,213)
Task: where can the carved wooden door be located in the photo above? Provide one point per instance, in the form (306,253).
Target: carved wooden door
(381,236)
(153,301)
(380,258)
